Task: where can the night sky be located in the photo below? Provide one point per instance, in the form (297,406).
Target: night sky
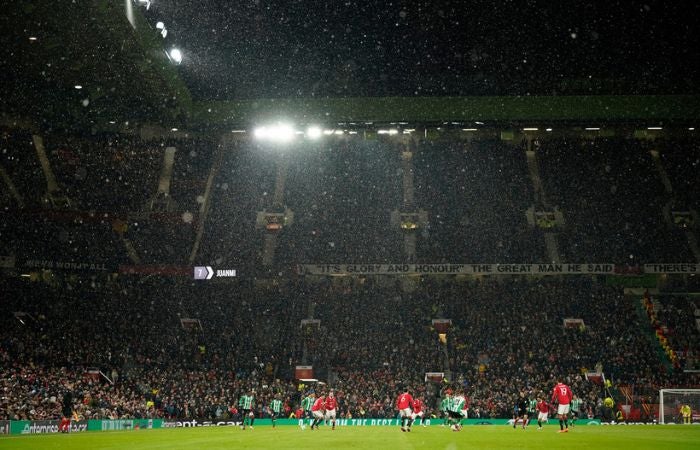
(291,48)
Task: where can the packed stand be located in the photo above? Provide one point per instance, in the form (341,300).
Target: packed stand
(678,316)
(507,336)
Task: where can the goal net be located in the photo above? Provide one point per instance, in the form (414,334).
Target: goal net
(672,400)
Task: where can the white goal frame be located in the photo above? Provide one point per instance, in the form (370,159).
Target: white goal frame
(672,391)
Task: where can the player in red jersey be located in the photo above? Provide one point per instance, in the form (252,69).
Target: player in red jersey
(331,405)
(561,395)
(404,403)
(542,408)
(318,411)
(418,410)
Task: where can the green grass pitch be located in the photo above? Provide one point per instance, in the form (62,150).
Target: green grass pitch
(633,437)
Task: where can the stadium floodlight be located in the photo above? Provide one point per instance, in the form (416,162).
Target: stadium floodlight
(173,129)
(530,129)
(275,133)
(78,86)
(327,132)
(470,129)
(314,132)
(32,38)
(161,26)
(548,129)
(654,128)
(338,132)
(592,128)
(176,55)
(237,131)
(691,129)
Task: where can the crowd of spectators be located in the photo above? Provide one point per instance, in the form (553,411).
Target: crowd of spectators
(678,316)
(507,336)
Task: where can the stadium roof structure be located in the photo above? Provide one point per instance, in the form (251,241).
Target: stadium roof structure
(87,66)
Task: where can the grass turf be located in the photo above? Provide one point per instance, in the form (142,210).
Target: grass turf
(636,437)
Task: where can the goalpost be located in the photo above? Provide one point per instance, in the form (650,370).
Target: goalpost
(671,400)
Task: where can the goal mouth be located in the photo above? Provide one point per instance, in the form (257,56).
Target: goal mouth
(679,406)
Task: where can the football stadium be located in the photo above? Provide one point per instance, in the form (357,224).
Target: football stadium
(289,224)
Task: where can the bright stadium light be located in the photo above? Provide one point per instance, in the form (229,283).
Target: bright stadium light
(654,128)
(78,86)
(275,133)
(548,129)
(176,55)
(314,132)
(160,25)
(530,129)
(469,129)
(592,128)
(691,129)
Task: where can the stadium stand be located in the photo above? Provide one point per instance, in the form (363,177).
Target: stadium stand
(155,346)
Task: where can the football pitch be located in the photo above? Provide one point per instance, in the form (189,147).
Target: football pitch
(636,437)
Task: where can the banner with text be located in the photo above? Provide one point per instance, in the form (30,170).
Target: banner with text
(43,426)
(672,268)
(46,264)
(123,424)
(456,269)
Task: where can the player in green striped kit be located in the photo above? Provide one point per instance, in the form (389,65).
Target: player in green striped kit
(575,409)
(445,407)
(306,405)
(457,411)
(245,404)
(275,409)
